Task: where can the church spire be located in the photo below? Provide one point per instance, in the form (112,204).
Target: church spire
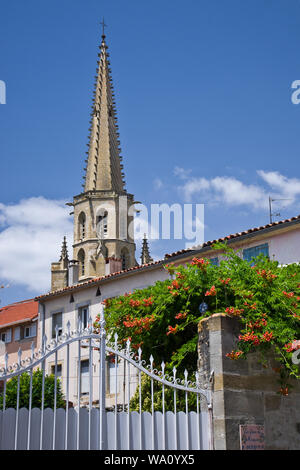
(102,215)
(64,257)
(145,258)
(60,269)
(104,168)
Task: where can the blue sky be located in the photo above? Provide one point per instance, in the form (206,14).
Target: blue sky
(203,92)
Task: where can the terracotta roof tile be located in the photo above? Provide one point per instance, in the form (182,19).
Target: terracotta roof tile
(234,235)
(96,280)
(20,311)
(251,230)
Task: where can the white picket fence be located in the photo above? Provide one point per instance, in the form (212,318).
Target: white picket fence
(177,436)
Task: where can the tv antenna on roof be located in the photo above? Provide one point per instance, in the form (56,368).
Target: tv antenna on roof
(275,214)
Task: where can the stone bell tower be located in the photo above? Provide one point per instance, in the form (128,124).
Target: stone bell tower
(103,211)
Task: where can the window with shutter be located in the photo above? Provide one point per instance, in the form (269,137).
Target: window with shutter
(30,331)
(56,320)
(214,261)
(83,315)
(33,329)
(58,370)
(84,368)
(251,253)
(27,332)
(8,336)
(17,333)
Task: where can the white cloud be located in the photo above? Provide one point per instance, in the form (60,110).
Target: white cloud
(35,211)
(181,172)
(233,192)
(287,187)
(194,186)
(157,183)
(31,237)
(31,234)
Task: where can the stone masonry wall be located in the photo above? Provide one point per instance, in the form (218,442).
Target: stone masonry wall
(244,391)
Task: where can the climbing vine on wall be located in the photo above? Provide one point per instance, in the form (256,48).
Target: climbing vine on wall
(265,298)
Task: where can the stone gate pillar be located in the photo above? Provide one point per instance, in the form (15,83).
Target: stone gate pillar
(245,391)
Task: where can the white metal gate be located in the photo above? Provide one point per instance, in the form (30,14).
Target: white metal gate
(95,426)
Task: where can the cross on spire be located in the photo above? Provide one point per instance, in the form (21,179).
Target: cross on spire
(103,26)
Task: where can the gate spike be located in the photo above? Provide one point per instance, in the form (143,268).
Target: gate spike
(32,350)
(102,318)
(78,325)
(140,353)
(44,343)
(151,361)
(68,327)
(19,356)
(102,321)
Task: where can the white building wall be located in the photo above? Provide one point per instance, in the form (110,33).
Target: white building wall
(284,247)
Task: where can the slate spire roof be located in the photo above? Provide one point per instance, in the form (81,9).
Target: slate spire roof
(103,170)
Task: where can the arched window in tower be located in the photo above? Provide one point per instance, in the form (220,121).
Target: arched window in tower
(102,225)
(81,259)
(82,226)
(125,259)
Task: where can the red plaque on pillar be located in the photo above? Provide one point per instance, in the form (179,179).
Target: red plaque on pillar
(252,437)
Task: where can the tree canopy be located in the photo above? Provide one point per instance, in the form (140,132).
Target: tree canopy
(37,378)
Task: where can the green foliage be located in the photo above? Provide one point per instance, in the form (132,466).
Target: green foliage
(169,397)
(37,377)
(162,319)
